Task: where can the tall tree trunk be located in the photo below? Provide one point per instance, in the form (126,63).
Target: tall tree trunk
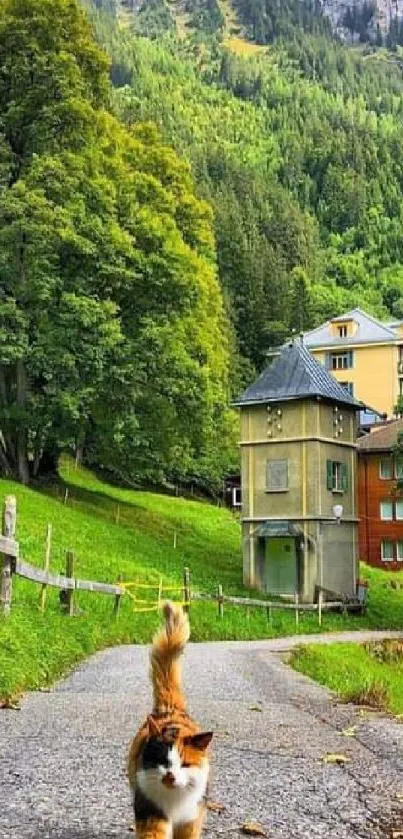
(7,438)
(5,468)
(22,455)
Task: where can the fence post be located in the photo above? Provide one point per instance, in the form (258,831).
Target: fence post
(186,589)
(9,522)
(70,591)
(320,603)
(46,564)
(296,611)
(175,539)
(220,601)
(117,514)
(118,599)
(66,495)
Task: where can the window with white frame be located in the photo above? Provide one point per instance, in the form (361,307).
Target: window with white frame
(391,510)
(399,468)
(399,551)
(337,476)
(387,553)
(236,497)
(386,468)
(341,361)
(387,510)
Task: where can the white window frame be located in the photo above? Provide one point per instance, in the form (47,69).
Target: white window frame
(387,558)
(398,468)
(399,554)
(383,517)
(340,361)
(342,330)
(386,477)
(337,476)
(236,497)
(399,517)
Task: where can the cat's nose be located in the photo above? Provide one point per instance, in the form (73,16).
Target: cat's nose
(169,779)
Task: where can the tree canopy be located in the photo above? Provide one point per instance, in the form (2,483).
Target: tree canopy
(113,335)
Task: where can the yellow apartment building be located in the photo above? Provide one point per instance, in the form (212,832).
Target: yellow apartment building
(364,355)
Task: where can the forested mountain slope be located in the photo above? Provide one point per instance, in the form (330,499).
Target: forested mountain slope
(299,149)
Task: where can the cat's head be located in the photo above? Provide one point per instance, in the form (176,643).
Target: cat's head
(174,759)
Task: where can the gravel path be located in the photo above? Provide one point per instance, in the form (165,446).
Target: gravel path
(62,756)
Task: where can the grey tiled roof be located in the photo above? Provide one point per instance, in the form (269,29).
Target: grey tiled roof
(295,374)
(381,439)
(369,330)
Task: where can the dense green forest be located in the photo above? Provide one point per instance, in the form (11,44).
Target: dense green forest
(175,200)
(296,146)
(113,334)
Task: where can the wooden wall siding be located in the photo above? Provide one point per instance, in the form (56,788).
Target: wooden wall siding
(372,530)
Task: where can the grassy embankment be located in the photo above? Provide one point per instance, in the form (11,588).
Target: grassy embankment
(370,674)
(36,648)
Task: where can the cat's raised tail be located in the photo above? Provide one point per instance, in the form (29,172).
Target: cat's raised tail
(167,648)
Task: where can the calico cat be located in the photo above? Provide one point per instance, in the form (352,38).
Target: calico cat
(168,759)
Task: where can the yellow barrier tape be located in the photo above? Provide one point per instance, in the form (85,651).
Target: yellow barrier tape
(137,600)
(140,585)
(131,595)
(155,607)
(154,585)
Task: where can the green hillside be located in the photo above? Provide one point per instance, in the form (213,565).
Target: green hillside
(117,532)
(34,648)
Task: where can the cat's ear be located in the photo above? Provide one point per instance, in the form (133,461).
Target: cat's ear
(153,726)
(199,741)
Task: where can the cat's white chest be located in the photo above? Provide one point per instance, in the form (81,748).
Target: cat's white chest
(180,804)
(182,810)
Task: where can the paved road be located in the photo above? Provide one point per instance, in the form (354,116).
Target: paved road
(62,756)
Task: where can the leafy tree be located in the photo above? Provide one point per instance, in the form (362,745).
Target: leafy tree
(113,335)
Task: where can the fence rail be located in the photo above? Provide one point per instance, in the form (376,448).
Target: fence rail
(38,575)
(266,604)
(68,584)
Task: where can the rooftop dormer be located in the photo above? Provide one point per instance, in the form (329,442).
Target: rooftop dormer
(343,327)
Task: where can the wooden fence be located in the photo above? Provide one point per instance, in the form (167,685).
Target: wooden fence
(68,584)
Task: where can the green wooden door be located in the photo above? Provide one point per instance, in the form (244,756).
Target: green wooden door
(281,565)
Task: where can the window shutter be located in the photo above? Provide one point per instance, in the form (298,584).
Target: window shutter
(329,467)
(327,360)
(350,358)
(351,388)
(344,477)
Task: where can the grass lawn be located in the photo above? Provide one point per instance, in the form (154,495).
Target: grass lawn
(36,648)
(370,674)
